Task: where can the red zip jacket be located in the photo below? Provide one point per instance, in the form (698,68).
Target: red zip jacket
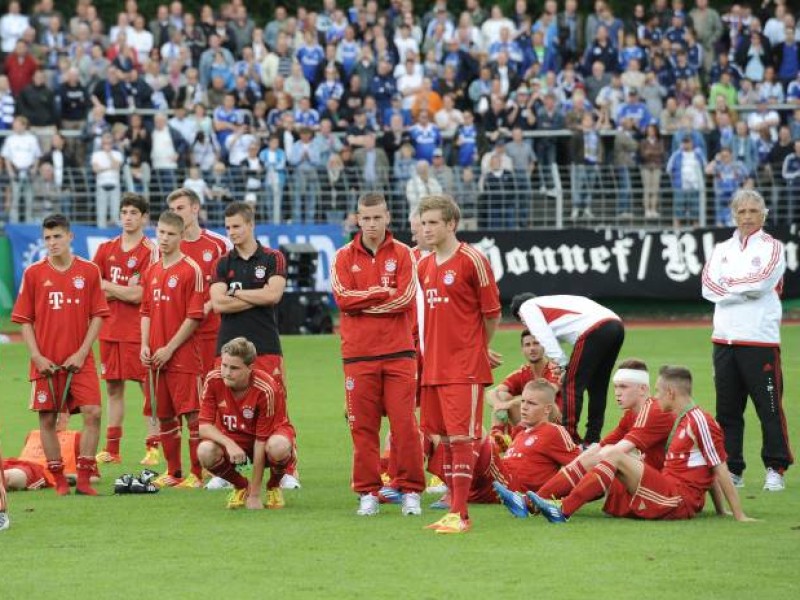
(374,324)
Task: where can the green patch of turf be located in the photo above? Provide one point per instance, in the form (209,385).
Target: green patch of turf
(184,544)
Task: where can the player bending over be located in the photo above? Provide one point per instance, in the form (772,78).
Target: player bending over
(694,464)
(243,416)
(61,307)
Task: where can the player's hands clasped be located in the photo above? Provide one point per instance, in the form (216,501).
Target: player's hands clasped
(44,365)
(161,357)
(75,362)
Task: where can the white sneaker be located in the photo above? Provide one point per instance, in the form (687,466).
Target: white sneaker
(218,483)
(290,482)
(368,505)
(411,504)
(774,481)
(737,480)
(435,486)
(5,522)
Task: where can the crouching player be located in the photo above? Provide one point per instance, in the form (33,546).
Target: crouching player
(243,416)
(694,464)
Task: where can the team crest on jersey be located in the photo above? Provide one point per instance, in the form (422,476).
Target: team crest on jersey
(173,281)
(349,384)
(248,413)
(261,272)
(79,282)
(530,441)
(41,397)
(131,262)
(756,262)
(208,256)
(390,265)
(449,278)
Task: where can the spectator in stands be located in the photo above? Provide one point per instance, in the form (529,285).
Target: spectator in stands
(12,25)
(723,88)
(48,197)
(497,209)
(708,28)
(443,173)
(61,161)
(651,160)
(729,176)
(686,129)
(625,147)
(634,109)
(274,160)
(425,137)
(753,55)
(791,176)
(106,165)
(7,104)
(420,185)
(744,148)
(763,119)
(305,162)
(685,168)
(523,160)
(167,153)
(373,165)
(209,57)
(237,144)
(21,152)
(19,67)
(37,103)
(586,152)
(786,57)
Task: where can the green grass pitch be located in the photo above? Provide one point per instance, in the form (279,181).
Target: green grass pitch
(180,544)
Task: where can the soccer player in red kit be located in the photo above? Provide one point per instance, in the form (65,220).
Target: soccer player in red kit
(462,309)
(505,398)
(374,286)
(694,465)
(122,261)
(171,311)
(243,416)
(205,248)
(61,307)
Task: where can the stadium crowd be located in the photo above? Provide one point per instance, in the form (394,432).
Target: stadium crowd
(300,112)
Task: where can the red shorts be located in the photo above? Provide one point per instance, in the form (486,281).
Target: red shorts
(208,352)
(271,364)
(84,390)
(120,361)
(451,410)
(34,473)
(658,497)
(176,394)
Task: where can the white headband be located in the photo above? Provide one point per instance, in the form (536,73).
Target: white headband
(632,376)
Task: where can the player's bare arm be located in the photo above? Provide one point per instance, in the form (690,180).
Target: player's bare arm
(724,484)
(44,365)
(235,452)
(144,353)
(131,293)
(269,295)
(253,501)
(76,360)
(162,356)
(490,325)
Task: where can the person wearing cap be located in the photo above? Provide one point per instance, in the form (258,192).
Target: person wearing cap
(743,278)
(443,173)
(634,109)
(685,168)
(596,335)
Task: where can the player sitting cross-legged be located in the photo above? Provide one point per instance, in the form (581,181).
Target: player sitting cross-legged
(694,464)
(243,416)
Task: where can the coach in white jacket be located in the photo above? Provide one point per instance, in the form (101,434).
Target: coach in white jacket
(596,334)
(743,278)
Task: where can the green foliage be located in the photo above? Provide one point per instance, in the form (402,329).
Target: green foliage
(180,543)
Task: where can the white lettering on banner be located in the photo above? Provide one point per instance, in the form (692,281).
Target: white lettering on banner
(544,260)
(517,262)
(493,255)
(680,252)
(644,257)
(622,249)
(791,256)
(599,258)
(573,259)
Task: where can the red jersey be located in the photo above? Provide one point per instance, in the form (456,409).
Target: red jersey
(516,381)
(123,268)
(254,416)
(459,294)
(695,448)
(648,430)
(35,473)
(60,306)
(372,322)
(536,454)
(170,296)
(206,251)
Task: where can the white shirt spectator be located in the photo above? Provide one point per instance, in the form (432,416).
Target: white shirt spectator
(114,32)
(103,162)
(199,187)
(187,127)
(405,45)
(757,120)
(409,82)
(691,171)
(142,42)
(11,29)
(163,154)
(491,30)
(237,147)
(22,150)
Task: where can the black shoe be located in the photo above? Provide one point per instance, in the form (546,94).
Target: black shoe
(122,485)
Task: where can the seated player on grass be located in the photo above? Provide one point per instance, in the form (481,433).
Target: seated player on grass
(539,447)
(642,431)
(694,464)
(505,398)
(243,416)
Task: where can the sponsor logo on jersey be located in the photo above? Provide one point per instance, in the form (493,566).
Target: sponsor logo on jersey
(390,265)
(248,413)
(449,278)
(79,282)
(530,441)
(261,272)
(131,262)
(208,256)
(172,281)
(41,397)
(349,384)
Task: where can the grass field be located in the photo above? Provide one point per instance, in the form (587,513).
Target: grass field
(178,544)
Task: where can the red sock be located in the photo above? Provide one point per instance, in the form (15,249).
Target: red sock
(594,485)
(225,469)
(56,468)
(171,445)
(86,466)
(113,437)
(463,463)
(563,482)
(436,461)
(447,464)
(276,472)
(194,442)
(151,441)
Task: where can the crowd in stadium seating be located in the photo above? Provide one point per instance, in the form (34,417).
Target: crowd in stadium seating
(302,112)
